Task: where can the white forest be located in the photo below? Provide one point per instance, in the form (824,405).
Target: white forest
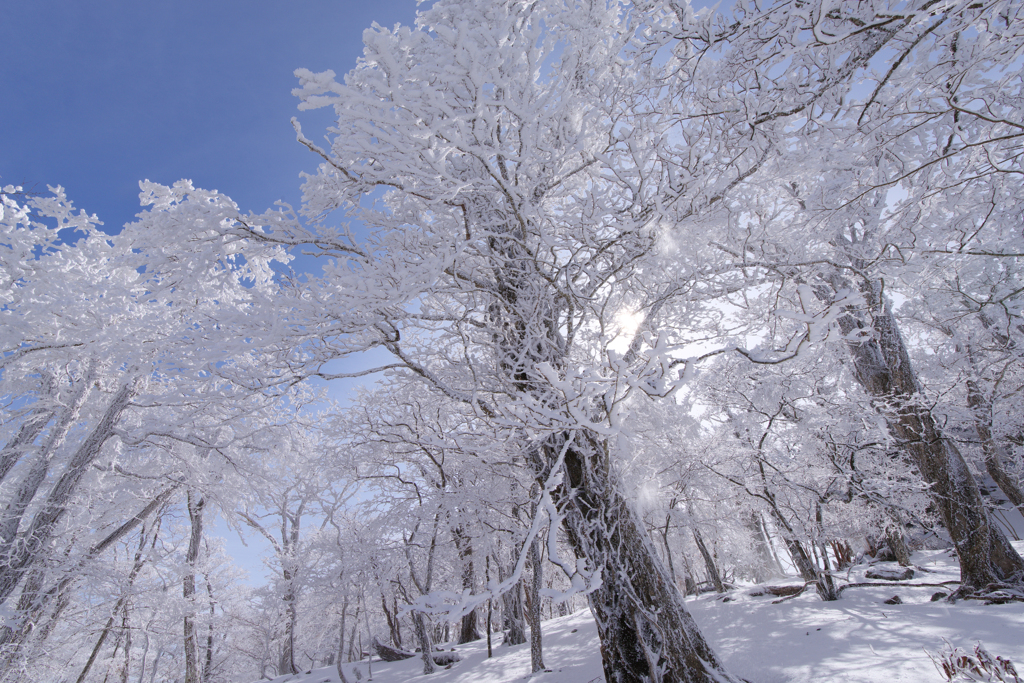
(678,333)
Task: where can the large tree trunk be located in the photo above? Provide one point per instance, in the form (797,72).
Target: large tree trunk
(468,629)
(341,639)
(882,366)
(646,633)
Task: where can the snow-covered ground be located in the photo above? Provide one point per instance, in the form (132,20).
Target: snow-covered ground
(858,638)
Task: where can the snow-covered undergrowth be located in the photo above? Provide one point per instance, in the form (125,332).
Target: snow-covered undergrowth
(858,638)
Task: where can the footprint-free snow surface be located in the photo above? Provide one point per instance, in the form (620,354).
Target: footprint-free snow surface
(856,639)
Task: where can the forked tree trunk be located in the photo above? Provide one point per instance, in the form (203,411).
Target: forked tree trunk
(394,625)
(882,366)
(709,562)
(646,633)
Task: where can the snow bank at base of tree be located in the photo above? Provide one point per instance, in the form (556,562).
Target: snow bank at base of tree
(857,639)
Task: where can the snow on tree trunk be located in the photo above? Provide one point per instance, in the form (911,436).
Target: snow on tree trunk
(767,564)
(17,558)
(512,613)
(419,621)
(882,366)
(895,538)
(468,629)
(709,562)
(195,514)
(536,644)
(341,639)
(992,449)
(646,633)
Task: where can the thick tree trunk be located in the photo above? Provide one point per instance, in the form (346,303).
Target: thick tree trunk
(23,440)
(646,633)
(15,508)
(287,665)
(882,366)
(468,629)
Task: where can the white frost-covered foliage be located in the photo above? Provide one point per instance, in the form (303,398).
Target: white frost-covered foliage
(693,298)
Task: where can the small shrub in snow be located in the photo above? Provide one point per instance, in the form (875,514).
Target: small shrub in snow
(957,664)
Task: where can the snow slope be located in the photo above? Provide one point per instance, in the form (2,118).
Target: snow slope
(856,639)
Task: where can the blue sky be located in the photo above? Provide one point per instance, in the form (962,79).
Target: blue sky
(98,95)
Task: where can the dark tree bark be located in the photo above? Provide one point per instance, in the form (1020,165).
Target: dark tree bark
(536,641)
(391,616)
(341,638)
(882,366)
(894,536)
(709,562)
(419,621)
(992,449)
(512,612)
(646,633)
(468,628)
(195,514)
